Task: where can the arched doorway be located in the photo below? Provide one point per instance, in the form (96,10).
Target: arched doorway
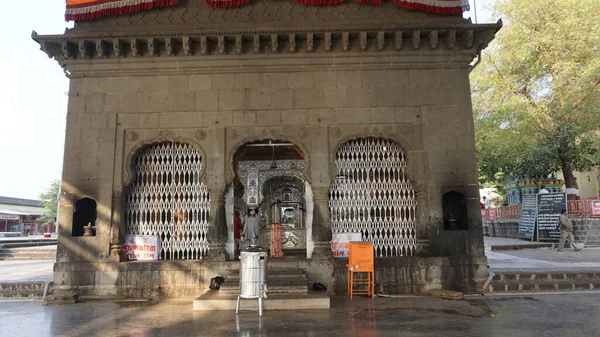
(270,178)
(169,200)
(371,195)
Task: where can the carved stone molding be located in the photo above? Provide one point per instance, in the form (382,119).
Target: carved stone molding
(302,133)
(132,136)
(166,135)
(233,134)
(200,135)
(368,39)
(335,132)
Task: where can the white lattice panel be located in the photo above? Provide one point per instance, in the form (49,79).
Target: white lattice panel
(372,195)
(169,200)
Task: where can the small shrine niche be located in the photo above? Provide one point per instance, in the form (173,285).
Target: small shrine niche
(455,211)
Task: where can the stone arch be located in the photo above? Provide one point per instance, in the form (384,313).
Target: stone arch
(403,144)
(167,197)
(128,175)
(372,194)
(235,147)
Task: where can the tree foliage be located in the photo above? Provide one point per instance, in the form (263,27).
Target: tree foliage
(50,200)
(536,93)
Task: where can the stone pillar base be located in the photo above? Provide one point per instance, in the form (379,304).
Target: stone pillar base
(322,251)
(216,253)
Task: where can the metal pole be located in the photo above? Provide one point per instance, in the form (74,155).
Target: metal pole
(58,207)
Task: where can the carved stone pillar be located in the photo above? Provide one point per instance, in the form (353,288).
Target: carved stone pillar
(321,228)
(422,219)
(217,227)
(117,226)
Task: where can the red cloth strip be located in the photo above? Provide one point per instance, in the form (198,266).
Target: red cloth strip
(319,2)
(433,9)
(118,10)
(226,3)
(370,2)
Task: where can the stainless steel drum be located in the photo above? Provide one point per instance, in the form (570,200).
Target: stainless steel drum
(253,275)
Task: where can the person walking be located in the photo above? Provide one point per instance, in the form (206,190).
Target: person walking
(566,231)
(486,203)
(543,190)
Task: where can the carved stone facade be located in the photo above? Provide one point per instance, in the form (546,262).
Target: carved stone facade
(315,77)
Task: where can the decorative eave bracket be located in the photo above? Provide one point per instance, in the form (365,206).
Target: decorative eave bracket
(202,43)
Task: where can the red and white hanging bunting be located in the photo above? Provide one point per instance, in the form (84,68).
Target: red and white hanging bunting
(226,3)
(78,10)
(436,6)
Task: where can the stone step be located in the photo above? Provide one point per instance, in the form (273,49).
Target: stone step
(503,287)
(22,290)
(215,300)
(546,277)
(279,281)
(22,294)
(275,274)
(16,286)
(43,255)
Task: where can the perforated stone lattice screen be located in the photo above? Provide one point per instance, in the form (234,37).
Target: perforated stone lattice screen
(372,195)
(169,200)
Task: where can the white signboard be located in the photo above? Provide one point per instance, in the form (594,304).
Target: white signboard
(141,247)
(9,217)
(340,243)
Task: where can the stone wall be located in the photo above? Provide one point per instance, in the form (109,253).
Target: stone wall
(412,275)
(187,74)
(501,228)
(586,230)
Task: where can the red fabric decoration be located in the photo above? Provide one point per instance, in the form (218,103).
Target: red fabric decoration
(319,2)
(370,2)
(94,10)
(439,7)
(226,3)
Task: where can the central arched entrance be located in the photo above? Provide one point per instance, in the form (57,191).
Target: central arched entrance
(270,179)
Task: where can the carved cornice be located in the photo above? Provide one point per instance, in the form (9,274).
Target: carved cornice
(268,41)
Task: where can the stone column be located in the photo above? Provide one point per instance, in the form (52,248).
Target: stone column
(321,228)
(423,224)
(117,226)
(217,227)
(67,208)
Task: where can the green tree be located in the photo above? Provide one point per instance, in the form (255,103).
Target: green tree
(536,93)
(50,201)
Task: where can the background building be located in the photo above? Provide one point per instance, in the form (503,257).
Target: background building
(20,215)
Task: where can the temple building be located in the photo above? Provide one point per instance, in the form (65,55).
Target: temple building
(350,117)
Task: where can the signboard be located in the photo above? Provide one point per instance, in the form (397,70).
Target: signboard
(528,217)
(549,206)
(340,243)
(491,214)
(595,207)
(141,247)
(9,217)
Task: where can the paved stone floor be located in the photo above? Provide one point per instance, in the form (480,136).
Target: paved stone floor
(545,259)
(498,316)
(26,270)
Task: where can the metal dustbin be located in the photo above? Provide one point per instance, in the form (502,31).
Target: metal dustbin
(253,275)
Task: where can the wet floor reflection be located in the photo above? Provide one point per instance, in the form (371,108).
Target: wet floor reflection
(419,316)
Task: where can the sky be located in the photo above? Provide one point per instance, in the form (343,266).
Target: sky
(33,103)
(33,96)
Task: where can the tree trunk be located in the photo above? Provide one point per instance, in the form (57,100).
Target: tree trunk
(570,180)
